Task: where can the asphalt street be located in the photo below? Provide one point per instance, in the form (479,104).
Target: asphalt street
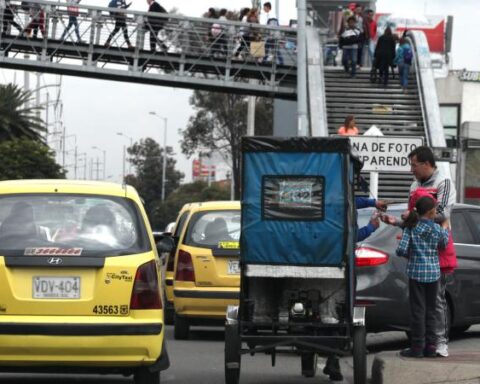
(200,361)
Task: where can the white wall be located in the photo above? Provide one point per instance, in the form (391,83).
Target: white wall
(470,101)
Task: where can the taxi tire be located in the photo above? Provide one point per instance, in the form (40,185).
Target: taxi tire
(181,328)
(144,376)
(169,316)
(168,312)
(233,345)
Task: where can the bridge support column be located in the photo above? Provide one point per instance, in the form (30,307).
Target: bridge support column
(302,112)
(284,118)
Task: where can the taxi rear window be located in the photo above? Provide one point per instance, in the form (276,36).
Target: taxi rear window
(70,225)
(214,229)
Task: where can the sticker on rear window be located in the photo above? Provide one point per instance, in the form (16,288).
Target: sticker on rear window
(53,251)
(228,244)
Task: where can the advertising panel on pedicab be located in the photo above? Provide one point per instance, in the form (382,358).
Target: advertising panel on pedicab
(295,196)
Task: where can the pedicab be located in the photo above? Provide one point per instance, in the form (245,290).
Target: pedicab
(297,245)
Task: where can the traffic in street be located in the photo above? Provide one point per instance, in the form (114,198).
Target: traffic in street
(200,360)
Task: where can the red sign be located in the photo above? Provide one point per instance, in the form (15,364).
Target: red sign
(432,26)
(202,170)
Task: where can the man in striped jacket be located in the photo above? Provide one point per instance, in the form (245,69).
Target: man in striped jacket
(428,177)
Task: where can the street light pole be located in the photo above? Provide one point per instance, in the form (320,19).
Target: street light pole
(164,165)
(125,154)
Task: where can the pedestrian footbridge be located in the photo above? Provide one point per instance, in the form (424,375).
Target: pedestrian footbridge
(187,53)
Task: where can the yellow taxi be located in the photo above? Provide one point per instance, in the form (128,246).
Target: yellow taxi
(81,280)
(207,273)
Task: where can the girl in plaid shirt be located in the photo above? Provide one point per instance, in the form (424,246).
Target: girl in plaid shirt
(419,243)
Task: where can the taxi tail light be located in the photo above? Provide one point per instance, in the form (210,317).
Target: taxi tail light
(185,271)
(171,261)
(369,257)
(146,292)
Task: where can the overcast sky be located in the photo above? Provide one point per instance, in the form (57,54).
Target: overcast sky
(96,110)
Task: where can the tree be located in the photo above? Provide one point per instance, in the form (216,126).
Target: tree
(219,123)
(147,158)
(17,120)
(199,191)
(28,159)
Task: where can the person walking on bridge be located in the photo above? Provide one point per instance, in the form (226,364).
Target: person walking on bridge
(120,22)
(155,25)
(9,18)
(73,13)
(37,20)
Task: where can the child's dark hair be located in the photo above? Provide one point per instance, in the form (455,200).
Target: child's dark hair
(422,206)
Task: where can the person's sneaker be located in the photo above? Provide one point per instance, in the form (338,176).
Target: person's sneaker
(412,352)
(332,369)
(430,351)
(442,350)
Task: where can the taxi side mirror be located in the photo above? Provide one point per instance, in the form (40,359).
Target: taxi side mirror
(166,245)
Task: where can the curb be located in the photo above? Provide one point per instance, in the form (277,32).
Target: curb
(391,368)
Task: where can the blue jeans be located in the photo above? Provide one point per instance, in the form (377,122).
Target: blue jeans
(349,60)
(72,22)
(272,48)
(403,71)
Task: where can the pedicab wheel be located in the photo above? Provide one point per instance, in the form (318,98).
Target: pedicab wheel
(359,355)
(309,364)
(181,328)
(142,375)
(232,354)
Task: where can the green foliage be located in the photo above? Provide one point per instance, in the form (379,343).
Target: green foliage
(188,193)
(147,158)
(219,123)
(28,159)
(16,120)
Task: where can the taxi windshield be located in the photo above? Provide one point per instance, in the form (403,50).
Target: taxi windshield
(214,229)
(69,225)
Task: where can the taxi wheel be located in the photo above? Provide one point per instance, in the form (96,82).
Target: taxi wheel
(181,328)
(144,376)
(168,312)
(169,316)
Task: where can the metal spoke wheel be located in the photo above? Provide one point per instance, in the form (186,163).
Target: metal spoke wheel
(359,355)
(309,364)
(232,354)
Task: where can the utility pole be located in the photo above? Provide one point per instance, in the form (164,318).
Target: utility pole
(75,163)
(91,168)
(97,169)
(124,160)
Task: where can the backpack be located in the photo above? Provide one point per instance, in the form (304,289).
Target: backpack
(113,4)
(407,55)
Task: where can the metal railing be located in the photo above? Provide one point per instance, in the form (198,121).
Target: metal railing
(153,48)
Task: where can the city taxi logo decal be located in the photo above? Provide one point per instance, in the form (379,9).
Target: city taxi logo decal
(122,276)
(53,251)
